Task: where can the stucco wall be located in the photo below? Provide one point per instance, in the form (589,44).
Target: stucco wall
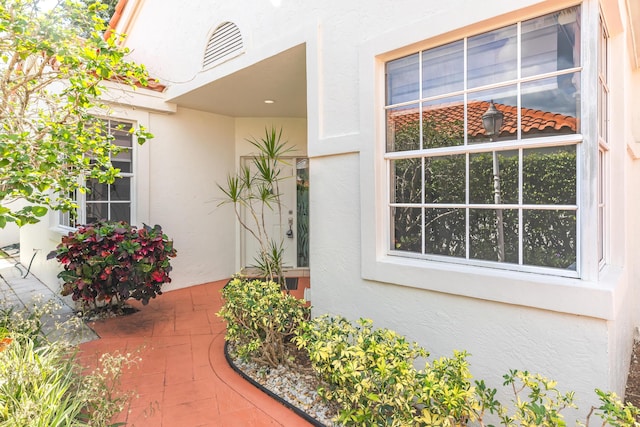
(575,331)
(192,152)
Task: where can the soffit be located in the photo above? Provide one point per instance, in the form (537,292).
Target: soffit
(281,78)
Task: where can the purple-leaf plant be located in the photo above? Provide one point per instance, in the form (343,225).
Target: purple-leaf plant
(110,262)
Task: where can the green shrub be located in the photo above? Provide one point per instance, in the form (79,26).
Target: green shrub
(444,393)
(371,375)
(261,319)
(538,402)
(113,261)
(41,382)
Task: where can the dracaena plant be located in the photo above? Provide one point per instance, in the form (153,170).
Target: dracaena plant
(109,262)
(255,191)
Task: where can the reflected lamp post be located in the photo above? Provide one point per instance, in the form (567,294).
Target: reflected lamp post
(492,122)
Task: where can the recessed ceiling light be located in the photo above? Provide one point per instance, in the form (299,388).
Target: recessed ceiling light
(269,101)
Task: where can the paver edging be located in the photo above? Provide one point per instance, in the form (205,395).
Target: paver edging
(268,392)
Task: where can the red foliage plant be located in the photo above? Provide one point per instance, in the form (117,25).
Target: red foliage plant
(110,262)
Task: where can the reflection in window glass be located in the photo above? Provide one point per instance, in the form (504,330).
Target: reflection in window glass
(549,176)
(493,177)
(550,106)
(442,69)
(551,43)
(550,238)
(407,229)
(493,235)
(445,232)
(492,57)
(403,77)
(444,178)
(408,180)
(505,101)
(403,128)
(443,122)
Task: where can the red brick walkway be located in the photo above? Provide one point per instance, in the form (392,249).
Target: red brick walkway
(184,379)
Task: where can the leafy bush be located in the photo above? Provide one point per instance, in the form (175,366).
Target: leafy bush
(41,383)
(254,191)
(113,261)
(371,375)
(261,319)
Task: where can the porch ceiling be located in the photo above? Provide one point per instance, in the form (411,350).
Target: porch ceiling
(281,78)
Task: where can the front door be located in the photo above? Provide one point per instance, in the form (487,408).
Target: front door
(290,222)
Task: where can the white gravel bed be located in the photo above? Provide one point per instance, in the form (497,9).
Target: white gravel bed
(296,386)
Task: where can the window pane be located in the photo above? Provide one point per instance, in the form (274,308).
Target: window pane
(121,189)
(407,175)
(120,212)
(403,80)
(443,123)
(97,212)
(551,106)
(493,235)
(549,176)
(550,238)
(493,177)
(403,128)
(505,101)
(443,69)
(492,57)
(444,179)
(97,191)
(445,232)
(122,161)
(549,43)
(121,133)
(407,228)
(603,112)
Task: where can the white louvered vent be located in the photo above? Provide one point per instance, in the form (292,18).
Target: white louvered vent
(224,42)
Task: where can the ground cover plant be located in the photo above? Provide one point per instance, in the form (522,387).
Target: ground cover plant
(261,319)
(109,262)
(41,383)
(372,373)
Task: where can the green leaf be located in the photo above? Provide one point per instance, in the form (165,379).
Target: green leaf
(39,211)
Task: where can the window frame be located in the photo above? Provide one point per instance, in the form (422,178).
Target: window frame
(603,117)
(595,293)
(63,218)
(466,149)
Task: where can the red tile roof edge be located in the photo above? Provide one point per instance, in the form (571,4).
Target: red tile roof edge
(152,84)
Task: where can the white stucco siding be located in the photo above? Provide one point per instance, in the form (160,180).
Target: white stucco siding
(569,348)
(192,151)
(576,331)
(294,132)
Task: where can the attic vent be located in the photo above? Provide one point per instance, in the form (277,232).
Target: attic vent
(224,41)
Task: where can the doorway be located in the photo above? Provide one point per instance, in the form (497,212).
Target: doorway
(289,223)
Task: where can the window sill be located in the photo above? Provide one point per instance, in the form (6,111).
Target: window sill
(57,231)
(560,294)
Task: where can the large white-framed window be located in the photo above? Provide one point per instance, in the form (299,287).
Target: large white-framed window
(460,190)
(102,201)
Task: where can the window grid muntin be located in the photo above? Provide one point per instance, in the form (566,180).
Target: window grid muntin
(517,143)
